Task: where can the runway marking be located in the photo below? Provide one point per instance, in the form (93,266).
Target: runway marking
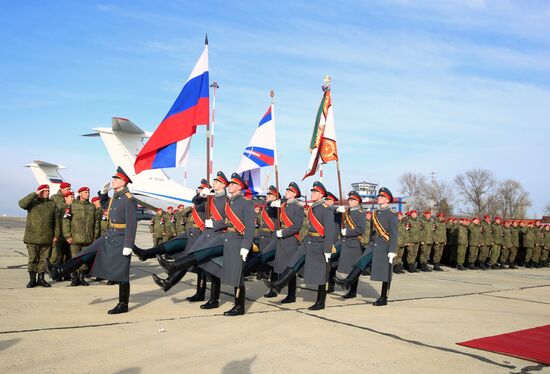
(514,298)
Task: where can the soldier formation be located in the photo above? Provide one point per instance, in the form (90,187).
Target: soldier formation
(224,238)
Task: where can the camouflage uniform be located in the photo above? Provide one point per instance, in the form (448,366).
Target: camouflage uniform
(80,224)
(181,220)
(546,250)
(414,240)
(41,228)
(61,247)
(169,227)
(487,241)
(461,245)
(515,233)
(539,242)
(426,242)
(402,240)
(440,239)
(528,240)
(506,245)
(157,228)
(496,229)
(474,242)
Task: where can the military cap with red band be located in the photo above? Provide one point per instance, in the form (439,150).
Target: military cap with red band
(293,187)
(331,196)
(355,196)
(120,174)
(319,187)
(220,177)
(383,191)
(238,180)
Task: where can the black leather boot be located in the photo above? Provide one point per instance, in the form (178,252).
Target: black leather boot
(471,266)
(183,263)
(81,279)
(437,267)
(291,297)
(74,279)
(145,254)
(352,277)
(59,271)
(41,281)
(123,299)
(214,300)
(401,269)
(396,269)
(410,268)
(352,293)
(321,297)
(271,293)
(201,289)
(171,281)
(425,268)
(283,280)
(32,279)
(383,299)
(460,267)
(238,308)
(331,280)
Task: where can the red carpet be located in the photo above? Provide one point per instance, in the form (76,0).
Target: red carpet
(531,344)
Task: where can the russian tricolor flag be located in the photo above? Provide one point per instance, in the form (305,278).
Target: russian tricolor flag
(169,145)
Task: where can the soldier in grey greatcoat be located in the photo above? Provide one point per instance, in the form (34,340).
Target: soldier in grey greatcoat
(380,250)
(110,255)
(353,226)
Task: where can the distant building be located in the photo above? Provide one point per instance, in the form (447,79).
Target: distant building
(368,191)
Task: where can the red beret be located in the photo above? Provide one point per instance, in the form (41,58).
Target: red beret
(94,199)
(497,218)
(399,213)
(486,216)
(413,211)
(427,212)
(65,185)
(68,193)
(159,209)
(181,206)
(170,207)
(43,187)
(441,215)
(83,189)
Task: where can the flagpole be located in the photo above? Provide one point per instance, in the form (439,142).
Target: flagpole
(326,88)
(215,85)
(272,94)
(207,207)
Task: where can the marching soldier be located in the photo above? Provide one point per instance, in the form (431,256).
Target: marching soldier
(474,242)
(318,244)
(402,242)
(426,240)
(439,240)
(80,229)
(61,245)
(461,243)
(496,229)
(381,249)
(157,227)
(41,231)
(238,241)
(353,227)
(268,223)
(414,241)
(487,241)
(288,236)
(330,200)
(110,253)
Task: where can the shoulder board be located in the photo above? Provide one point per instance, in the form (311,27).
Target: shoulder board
(325,205)
(129,195)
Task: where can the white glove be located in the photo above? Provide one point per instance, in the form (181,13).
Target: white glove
(344,231)
(204,192)
(341,209)
(127,251)
(327,257)
(244,253)
(279,233)
(276,204)
(209,223)
(391,255)
(106,187)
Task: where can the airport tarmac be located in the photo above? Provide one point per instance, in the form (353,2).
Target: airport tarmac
(66,329)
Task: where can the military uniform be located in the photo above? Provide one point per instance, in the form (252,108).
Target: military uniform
(506,244)
(41,228)
(528,242)
(426,241)
(461,244)
(487,242)
(539,243)
(414,240)
(515,234)
(157,227)
(496,229)
(474,242)
(402,241)
(546,248)
(61,247)
(180,220)
(355,223)
(439,241)
(169,226)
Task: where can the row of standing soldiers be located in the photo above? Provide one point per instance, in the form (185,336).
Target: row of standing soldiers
(470,243)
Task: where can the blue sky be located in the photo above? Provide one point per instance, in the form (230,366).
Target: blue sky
(419,86)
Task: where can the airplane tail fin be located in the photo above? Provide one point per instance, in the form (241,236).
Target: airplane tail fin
(47,173)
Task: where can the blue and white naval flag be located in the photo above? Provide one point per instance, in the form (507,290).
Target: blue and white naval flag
(260,152)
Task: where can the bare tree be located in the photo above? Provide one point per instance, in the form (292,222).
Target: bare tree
(547,209)
(414,185)
(512,199)
(476,189)
(441,195)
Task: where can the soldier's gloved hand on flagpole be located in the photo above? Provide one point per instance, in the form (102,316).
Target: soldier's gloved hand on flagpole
(279,233)
(208,223)
(106,187)
(341,209)
(204,192)
(212,192)
(344,231)
(127,251)
(391,255)
(327,257)
(244,253)
(276,204)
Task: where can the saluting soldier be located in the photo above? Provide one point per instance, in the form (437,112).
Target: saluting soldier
(474,242)
(80,229)
(381,249)
(157,227)
(61,245)
(496,229)
(318,244)
(426,240)
(288,237)
(353,227)
(439,240)
(414,241)
(238,241)
(110,254)
(41,231)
